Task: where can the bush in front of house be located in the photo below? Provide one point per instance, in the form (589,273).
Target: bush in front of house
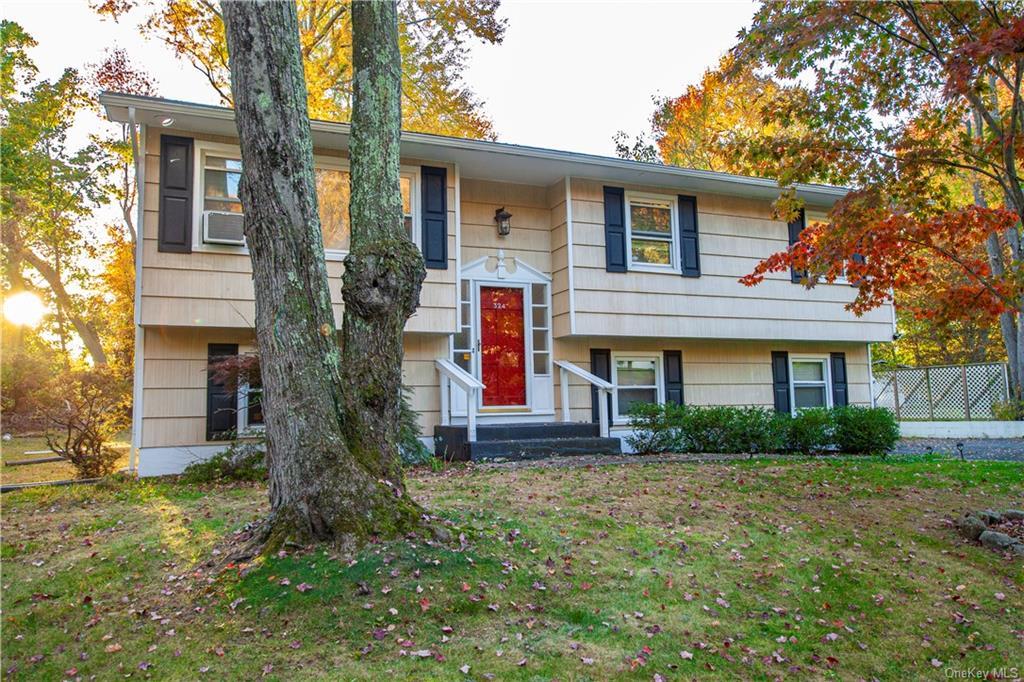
(718,429)
(810,431)
(242,460)
(865,430)
(81,412)
(712,429)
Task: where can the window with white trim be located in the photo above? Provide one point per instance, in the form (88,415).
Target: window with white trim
(250,407)
(810,383)
(637,379)
(221,176)
(652,226)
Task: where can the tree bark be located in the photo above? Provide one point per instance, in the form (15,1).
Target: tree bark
(320,488)
(384,270)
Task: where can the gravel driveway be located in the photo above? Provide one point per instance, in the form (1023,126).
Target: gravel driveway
(1005,449)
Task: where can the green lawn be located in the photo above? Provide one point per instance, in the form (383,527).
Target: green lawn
(821,569)
(16,448)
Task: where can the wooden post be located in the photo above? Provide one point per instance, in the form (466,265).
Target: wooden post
(928,393)
(471,415)
(967,393)
(446,387)
(602,396)
(895,393)
(563,377)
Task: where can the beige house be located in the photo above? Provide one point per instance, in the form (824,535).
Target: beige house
(553,279)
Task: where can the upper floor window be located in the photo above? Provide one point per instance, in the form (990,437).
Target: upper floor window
(222,208)
(651,224)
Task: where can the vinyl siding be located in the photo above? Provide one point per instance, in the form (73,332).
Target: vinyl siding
(174,397)
(735,234)
(714,372)
(213,289)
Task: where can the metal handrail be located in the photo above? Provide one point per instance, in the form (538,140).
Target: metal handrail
(450,372)
(603,386)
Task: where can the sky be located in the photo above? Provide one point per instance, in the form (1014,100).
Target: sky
(567,76)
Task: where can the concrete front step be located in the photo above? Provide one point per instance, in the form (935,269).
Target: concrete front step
(537,448)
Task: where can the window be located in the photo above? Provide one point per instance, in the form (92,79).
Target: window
(637,379)
(220,184)
(250,406)
(462,346)
(810,382)
(541,328)
(651,224)
(221,174)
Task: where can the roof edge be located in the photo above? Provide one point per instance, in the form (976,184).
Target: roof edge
(115,100)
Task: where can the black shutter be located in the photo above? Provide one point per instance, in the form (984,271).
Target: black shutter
(615,229)
(600,366)
(689,241)
(780,380)
(174,230)
(221,404)
(840,396)
(435,217)
(673,377)
(795,228)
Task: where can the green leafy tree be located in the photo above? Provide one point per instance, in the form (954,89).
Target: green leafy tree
(48,190)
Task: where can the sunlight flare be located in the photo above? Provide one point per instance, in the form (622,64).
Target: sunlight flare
(24,309)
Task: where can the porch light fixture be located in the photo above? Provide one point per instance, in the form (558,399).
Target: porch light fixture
(504,220)
(167,121)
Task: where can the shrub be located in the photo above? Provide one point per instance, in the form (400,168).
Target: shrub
(865,430)
(240,461)
(81,411)
(655,428)
(810,431)
(760,430)
(711,429)
(410,447)
(1008,410)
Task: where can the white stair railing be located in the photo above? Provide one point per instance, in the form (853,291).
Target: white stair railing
(450,372)
(565,368)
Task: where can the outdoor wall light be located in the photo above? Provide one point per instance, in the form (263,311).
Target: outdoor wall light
(504,220)
(167,122)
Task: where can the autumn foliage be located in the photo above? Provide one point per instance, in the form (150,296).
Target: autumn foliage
(878,250)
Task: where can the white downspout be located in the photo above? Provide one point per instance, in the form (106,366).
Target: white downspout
(140,333)
(871,377)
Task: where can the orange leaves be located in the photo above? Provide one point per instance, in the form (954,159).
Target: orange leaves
(879,250)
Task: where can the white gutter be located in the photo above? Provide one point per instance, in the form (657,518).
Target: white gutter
(140,333)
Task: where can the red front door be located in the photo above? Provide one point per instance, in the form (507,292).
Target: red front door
(502,346)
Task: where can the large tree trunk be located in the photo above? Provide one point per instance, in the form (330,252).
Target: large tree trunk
(319,489)
(384,270)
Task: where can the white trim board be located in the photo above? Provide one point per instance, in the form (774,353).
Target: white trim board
(963,429)
(173,460)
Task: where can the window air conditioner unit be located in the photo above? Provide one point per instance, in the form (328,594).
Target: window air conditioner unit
(223,227)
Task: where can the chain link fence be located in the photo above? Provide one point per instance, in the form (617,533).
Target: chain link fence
(942,393)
